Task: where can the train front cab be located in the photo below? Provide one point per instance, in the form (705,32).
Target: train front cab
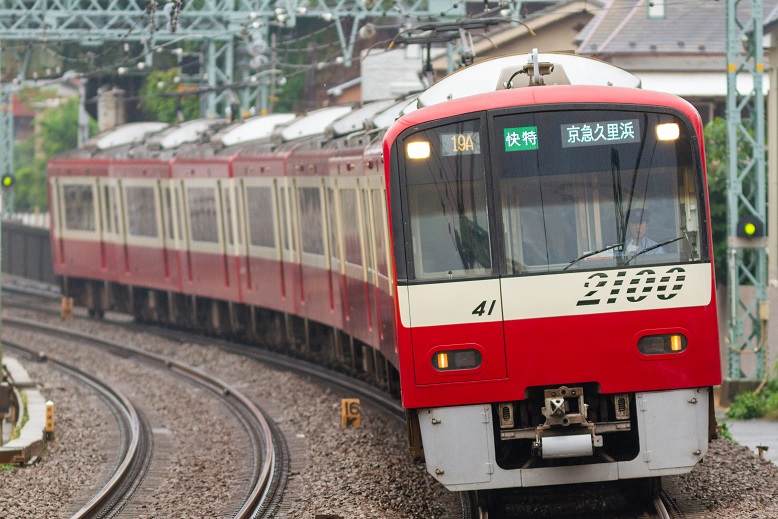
(538,345)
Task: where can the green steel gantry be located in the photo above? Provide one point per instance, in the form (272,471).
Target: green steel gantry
(216,24)
(746,257)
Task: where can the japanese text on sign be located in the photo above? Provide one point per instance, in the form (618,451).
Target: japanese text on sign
(596,133)
(520,139)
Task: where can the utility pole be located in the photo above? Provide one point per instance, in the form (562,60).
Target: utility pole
(746,214)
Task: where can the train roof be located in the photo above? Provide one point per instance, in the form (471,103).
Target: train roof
(184,133)
(313,123)
(550,95)
(517,71)
(387,117)
(357,120)
(252,129)
(132,133)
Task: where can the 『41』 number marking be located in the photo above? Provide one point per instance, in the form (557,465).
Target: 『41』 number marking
(481,308)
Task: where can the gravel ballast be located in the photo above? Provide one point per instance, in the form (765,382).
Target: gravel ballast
(354,473)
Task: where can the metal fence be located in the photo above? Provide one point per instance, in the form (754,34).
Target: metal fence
(26,247)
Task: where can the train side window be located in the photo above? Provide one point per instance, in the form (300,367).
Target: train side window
(108,213)
(350,215)
(284,217)
(141,211)
(260,211)
(227,214)
(169,213)
(368,230)
(311,213)
(79,207)
(333,224)
(202,214)
(447,202)
(238,214)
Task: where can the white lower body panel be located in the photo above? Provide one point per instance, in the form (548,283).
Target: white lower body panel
(459,445)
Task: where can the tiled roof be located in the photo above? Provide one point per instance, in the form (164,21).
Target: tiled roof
(689,26)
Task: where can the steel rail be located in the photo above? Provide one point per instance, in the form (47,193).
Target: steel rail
(263,479)
(122,405)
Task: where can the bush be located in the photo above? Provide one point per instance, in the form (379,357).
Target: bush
(747,405)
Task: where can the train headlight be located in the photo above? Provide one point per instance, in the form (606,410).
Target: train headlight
(456,360)
(662,344)
(418,150)
(667,131)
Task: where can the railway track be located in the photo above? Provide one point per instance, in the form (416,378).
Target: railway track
(136,439)
(378,398)
(263,491)
(623,500)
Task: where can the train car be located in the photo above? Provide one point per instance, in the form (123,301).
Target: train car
(523,252)
(555,289)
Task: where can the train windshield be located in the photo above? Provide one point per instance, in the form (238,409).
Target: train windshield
(596,189)
(551,192)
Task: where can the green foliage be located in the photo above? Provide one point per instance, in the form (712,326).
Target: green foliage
(762,404)
(289,96)
(716,160)
(746,406)
(724,432)
(164,108)
(56,132)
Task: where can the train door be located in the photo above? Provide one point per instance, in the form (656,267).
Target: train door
(369,276)
(450,288)
(335,244)
(123,227)
(315,287)
(353,270)
(174,230)
(224,223)
(56,221)
(183,227)
(103,219)
(287,231)
(382,287)
(165,237)
(109,219)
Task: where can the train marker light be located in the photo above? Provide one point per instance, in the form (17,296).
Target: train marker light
(418,150)
(750,226)
(667,131)
(456,359)
(662,344)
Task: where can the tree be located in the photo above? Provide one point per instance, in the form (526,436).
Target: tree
(56,132)
(164,108)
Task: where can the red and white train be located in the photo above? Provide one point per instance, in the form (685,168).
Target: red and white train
(525,254)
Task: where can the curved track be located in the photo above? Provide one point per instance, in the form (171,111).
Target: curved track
(136,440)
(266,483)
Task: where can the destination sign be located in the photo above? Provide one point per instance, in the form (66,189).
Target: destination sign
(463,143)
(598,133)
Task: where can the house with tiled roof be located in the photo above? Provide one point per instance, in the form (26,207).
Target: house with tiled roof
(673,46)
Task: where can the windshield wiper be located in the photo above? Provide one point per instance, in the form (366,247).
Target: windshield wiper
(647,249)
(586,255)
